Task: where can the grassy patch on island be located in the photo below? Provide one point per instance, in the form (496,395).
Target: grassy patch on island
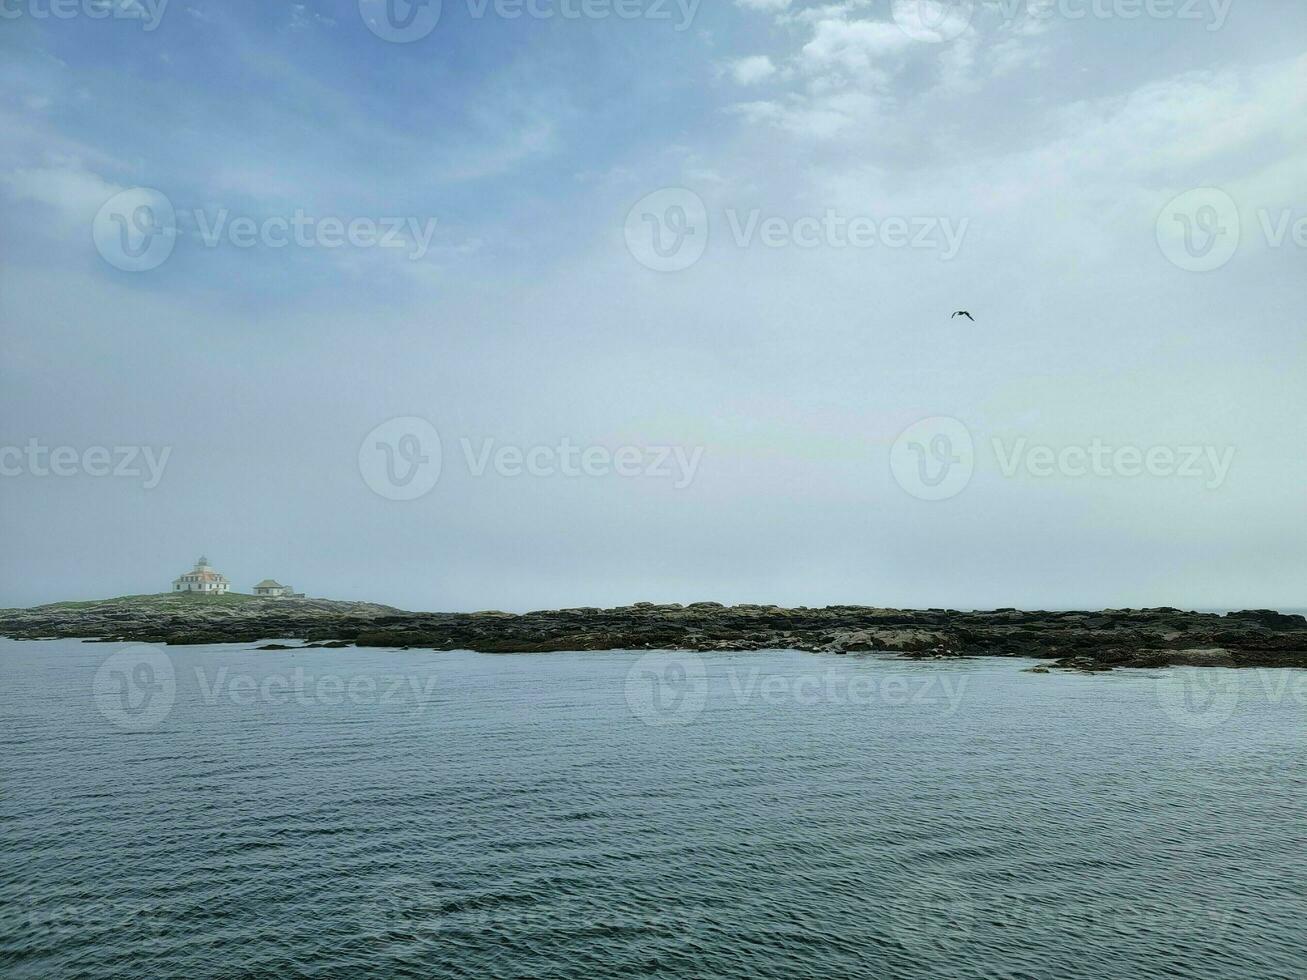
(162,599)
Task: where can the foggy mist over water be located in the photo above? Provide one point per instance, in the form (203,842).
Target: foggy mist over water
(1121,423)
(463,305)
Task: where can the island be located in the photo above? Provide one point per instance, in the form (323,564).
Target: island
(1089,641)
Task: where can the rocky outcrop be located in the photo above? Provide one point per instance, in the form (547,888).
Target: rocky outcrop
(1095,641)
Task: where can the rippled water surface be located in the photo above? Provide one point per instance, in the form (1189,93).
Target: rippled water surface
(215,811)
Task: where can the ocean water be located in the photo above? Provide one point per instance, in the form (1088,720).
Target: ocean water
(221,812)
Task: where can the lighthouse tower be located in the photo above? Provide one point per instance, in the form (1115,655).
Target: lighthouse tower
(201,578)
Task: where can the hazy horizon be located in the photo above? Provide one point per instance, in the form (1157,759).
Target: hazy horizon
(674,294)
(1215,610)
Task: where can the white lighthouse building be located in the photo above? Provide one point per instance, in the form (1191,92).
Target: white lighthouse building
(202,578)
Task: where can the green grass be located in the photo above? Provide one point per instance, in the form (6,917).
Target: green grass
(166,598)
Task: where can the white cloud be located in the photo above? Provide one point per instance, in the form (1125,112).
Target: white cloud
(1242,129)
(758,112)
(957,64)
(858,47)
(845,69)
(751,70)
(811,119)
(933,21)
(854,63)
(72,191)
(1192,121)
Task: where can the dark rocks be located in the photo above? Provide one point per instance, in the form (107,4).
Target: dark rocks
(196,638)
(1081,641)
(1269,618)
(1085,665)
(397,638)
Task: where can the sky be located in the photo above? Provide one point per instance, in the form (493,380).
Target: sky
(518,305)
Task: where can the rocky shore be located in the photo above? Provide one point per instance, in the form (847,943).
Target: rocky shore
(1077,640)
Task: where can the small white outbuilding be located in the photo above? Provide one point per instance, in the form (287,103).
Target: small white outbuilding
(274,589)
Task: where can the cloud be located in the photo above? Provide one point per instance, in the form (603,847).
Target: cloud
(752,70)
(1197,122)
(821,119)
(957,66)
(933,21)
(72,192)
(843,71)
(301,18)
(1242,129)
(860,48)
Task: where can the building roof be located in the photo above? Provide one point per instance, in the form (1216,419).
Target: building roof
(268,583)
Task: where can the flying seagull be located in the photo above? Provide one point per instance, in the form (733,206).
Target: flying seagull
(963,313)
